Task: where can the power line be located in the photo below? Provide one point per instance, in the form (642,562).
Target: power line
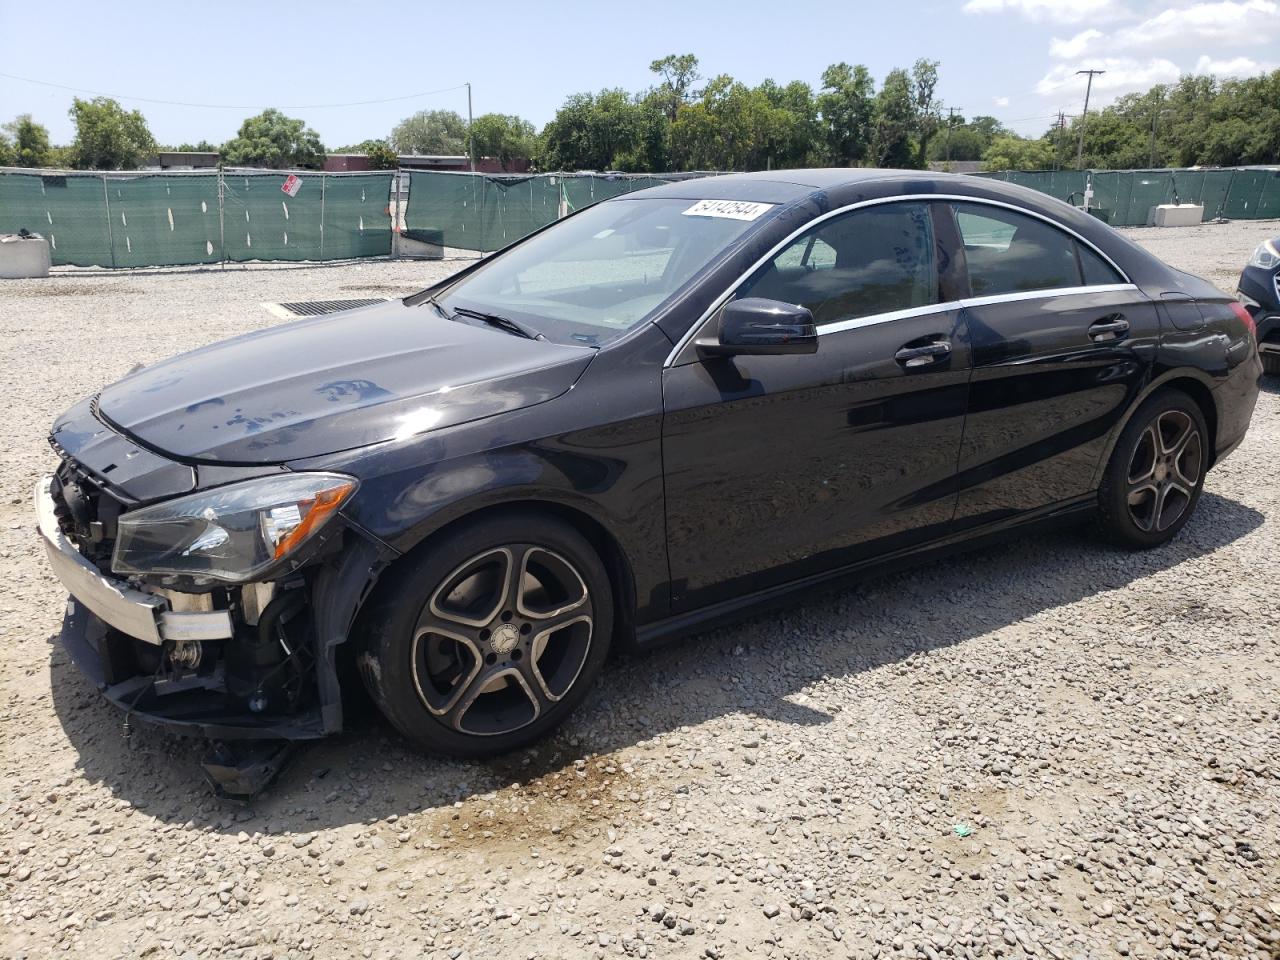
(233,106)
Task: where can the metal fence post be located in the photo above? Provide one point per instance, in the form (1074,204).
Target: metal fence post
(222,227)
(111,235)
(323,178)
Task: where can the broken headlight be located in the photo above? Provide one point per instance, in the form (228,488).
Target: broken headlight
(232,533)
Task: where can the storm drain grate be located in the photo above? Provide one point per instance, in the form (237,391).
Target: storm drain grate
(316,308)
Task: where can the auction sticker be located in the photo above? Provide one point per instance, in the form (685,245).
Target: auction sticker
(727,209)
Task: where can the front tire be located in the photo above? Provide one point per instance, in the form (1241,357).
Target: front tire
(1271,364)
(482,641)
(1153,482)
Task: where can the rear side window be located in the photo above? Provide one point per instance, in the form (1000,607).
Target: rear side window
(875,260)
(1009,252)
(1096,270)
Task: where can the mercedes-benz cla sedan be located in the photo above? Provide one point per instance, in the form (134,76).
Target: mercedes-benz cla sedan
(643,419)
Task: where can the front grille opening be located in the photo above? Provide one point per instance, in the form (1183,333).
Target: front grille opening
(316,308)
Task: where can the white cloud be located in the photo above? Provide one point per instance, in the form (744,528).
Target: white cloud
(1074,47)
(1235,67)
(1059,11)
(1122,75)
(1000,101)
(1229,23)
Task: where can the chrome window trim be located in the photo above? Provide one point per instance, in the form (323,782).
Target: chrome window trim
(1045,294)
(720,301)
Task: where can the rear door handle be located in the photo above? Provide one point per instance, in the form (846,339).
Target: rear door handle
(926,353)
(1112,327)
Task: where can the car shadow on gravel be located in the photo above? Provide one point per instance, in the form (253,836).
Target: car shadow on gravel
(759,666)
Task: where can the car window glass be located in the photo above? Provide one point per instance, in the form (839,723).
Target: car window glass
(600,272)
(1008,252)
(1095,269)
(871,261)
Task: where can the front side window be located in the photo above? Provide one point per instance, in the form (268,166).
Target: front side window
(604,270)
(879,259)
(1009,252)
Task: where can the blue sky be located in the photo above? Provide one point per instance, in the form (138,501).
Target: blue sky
(1013,59)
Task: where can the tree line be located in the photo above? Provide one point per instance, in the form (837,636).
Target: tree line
(685,122)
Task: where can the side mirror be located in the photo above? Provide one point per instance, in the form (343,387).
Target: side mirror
(757,327)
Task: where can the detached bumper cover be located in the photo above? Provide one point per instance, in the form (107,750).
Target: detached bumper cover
(139,614)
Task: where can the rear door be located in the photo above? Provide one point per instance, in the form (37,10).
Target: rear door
(781,467)
(1061,344)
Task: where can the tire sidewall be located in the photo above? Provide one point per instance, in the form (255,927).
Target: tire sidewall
(1113,496)
(387,642)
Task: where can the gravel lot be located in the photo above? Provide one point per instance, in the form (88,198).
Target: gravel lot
(1048,749)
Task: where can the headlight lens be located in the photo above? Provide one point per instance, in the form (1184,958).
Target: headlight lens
(232,533)
(1266,256)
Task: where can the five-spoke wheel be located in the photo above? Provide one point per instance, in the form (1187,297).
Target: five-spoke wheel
(481,641)
(1156,471)
(502,639)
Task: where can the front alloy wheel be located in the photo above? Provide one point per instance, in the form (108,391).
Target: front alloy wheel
(502,639)
(486,637)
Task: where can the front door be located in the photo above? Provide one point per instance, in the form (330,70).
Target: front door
(780,467)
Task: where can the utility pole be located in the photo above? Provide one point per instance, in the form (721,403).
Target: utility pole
(1057,150)
(951,112)
(471,142)
(1155,113)
(1085,116)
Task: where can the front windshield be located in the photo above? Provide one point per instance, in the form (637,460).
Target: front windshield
(604,270)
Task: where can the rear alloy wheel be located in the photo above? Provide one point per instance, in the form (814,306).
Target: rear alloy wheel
(511,624)
(1156,472)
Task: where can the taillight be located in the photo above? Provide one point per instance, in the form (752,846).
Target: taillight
(1246,317)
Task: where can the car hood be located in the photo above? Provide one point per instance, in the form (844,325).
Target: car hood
(335,382)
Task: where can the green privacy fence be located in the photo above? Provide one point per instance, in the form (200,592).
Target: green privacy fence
(486,212)
(142,219)
(1125,197)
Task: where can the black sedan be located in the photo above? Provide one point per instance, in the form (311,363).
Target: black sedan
(646,418)
(1259,291)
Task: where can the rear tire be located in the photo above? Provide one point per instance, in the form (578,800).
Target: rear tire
(1152,483)
(484,640)
(1271,364)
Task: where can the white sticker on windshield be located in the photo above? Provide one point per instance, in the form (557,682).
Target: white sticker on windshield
(727,209)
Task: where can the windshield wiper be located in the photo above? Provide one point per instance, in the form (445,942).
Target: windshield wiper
(502,323)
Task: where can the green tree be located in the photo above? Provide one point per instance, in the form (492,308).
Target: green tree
(274,140)
(893,119)
(504,137)
(30,142)
(6,151)
(1011,152)
(924,82)
(846,105)
(108,137)
(204,146)
(679,73)
(439,132)
(963,140)
(381,156)
(605,131)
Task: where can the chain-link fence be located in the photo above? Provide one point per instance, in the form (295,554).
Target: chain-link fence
(145,219)
(1126,197)
(485,212)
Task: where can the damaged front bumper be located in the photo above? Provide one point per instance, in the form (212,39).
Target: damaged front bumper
(250,662)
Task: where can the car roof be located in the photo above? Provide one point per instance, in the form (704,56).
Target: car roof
(778,186)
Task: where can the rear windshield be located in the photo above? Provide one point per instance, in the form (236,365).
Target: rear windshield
(605,270)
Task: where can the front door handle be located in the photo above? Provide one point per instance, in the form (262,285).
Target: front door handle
(925,353)
(1111,327)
